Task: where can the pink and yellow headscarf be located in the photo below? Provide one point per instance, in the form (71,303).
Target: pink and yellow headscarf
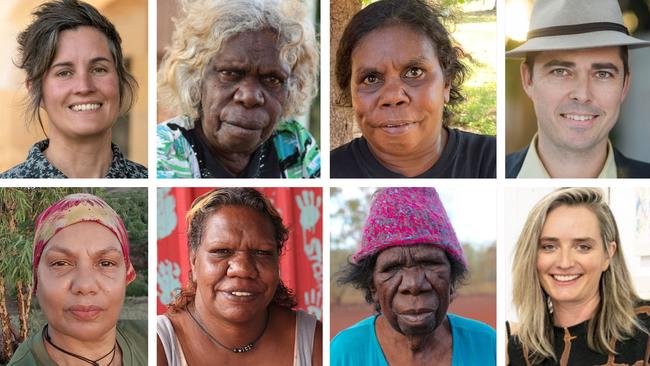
(72,209)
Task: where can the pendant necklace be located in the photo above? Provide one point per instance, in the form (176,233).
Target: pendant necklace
(46,335)
(245,348)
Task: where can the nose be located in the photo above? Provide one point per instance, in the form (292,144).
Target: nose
(84,83)
(249,93)
(565,259)
(581,90)
(84,281)
(242,265)
(414,282)
(393,93)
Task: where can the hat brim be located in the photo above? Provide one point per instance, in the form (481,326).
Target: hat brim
(577,41)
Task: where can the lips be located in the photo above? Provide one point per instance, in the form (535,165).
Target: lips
(416,315)
(565,278)
(85,312)
(240,294)
(396,127)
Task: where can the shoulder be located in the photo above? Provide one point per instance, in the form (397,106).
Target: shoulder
(630,168)
(343,160)
(297,150)
(354,336)
(21,170)
(26,352)
(514,162)
(174,154)
(35,166)
(471,327)
(473,155)
(135,170)
(134,331)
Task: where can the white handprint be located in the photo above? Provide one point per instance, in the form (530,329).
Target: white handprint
(309,209)
(313,303)
(166,213)
(168,280)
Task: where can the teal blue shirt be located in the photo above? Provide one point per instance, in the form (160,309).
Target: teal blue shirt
(474,343)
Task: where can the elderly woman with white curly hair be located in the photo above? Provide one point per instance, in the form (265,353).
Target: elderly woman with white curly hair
(237,71)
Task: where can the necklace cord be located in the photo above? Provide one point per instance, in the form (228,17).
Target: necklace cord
(245,348)
(46,335)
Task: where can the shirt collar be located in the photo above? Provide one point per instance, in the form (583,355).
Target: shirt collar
(533,167)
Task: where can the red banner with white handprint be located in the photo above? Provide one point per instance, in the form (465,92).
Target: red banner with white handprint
(301,264)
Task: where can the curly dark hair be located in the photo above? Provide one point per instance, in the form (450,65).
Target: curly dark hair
(419,16)
(206,205)
(360,275)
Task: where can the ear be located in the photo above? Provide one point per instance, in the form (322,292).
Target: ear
(447,91)
(611,250)
(526,79)
(192,264)
(626,85)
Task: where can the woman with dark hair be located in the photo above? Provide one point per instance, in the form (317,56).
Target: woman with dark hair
(75,72)
(236,310)
(410,266)
(81,267)
(398,68)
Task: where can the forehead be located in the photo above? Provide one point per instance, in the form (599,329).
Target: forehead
(571,221)
(581,57)
(82,40)
(239,220)
(83,237)
(411,252)
(383,42)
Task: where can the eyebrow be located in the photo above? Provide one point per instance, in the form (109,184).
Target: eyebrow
(556,240)
(70,253)
(69,63)
(594,66)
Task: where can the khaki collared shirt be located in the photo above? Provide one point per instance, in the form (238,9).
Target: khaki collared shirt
(533,167)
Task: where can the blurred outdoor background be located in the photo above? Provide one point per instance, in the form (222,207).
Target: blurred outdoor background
(472,24)
(473,216)
(19,208)
(169,9)
(632,132)
(130,131)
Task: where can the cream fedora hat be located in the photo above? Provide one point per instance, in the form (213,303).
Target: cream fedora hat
(573,24)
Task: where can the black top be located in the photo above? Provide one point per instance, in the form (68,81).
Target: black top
(263,163)
(571,346)
(625,167)
(466,155)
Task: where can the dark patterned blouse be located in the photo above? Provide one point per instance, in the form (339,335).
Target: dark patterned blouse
(571,347)
(37,165)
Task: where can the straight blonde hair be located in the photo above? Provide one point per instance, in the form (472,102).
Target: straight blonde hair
(615,319)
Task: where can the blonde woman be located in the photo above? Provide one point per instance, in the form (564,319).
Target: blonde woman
(572,289)
(237,72)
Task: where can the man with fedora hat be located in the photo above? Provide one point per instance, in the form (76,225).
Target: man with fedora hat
(576,72)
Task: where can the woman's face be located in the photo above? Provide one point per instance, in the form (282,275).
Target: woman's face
(243,92)
(398,90)
(82,281)
(236,265)
(412,286)
(571,256)
(81,89)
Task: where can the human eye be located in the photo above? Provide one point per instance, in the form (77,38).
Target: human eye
(604,75)
(263,253)
(547,247)
(370,79)
(99,70)
(105,263)
(63,73)
(583,247)
(230,74)
(221,251)
(59,263)
(413,72)
(272,80)
(560,72)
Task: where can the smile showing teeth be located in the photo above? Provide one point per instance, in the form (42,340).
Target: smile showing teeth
(397,125)
(579,117)
(241,293)
(565,278)
(85,107)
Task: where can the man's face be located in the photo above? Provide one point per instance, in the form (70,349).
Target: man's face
(577,96)
(412,285)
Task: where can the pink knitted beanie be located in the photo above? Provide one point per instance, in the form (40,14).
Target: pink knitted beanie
(408,216)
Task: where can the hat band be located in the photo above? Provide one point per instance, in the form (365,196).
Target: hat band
(562,30)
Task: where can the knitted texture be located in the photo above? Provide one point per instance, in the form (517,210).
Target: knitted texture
(408,216)
(72,209)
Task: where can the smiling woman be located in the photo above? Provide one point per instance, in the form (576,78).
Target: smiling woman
(81,267)
(75,72)
(238,72)
(398,67)
(236,310)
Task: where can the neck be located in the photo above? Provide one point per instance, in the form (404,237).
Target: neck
(230,334)
(413,163)
(90,349)
(567,314)
(85,158)
(418,349)
(565,163)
